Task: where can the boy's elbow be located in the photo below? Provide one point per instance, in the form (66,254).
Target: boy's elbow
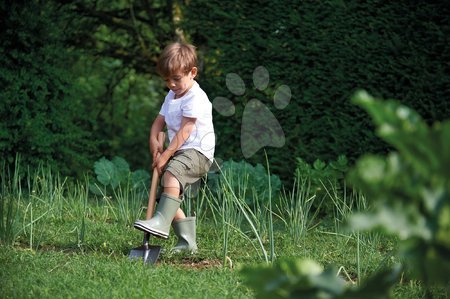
(159,122)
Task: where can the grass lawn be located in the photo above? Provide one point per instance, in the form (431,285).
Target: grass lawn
(100,268)
(69,244)
(50,274)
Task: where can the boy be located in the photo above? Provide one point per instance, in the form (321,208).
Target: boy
(187,113)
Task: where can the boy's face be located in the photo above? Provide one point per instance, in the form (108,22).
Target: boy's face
(180,82)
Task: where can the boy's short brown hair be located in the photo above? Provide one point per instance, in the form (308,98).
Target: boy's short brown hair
(177,57)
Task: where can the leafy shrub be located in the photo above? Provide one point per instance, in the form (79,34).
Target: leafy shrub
(411,187)
(327,180)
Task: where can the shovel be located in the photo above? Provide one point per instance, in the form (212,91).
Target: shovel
(149,253)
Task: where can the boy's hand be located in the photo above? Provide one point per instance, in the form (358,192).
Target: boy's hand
(160,162)
(155,148)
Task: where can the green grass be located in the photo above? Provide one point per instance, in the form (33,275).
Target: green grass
(57,274)
(62,242)
(101,269)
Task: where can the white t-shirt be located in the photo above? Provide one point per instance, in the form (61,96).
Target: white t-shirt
(195,104)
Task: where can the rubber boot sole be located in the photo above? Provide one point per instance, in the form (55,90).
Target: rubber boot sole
(150,230)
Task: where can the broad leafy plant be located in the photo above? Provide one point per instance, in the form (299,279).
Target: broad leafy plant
(303,278)
(324,177)
(410,187)
(322,171)
(410,191)
(114,173)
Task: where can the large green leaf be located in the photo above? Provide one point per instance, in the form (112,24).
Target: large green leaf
(106,172)
(122,168)
(402,221)
(303,278)
(94,188)
(112,173)
(140,179)
(410,187)
(403,128)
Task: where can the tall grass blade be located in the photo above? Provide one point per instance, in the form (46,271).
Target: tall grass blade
(271,236)
(297,208)
(246,212)
(10,199)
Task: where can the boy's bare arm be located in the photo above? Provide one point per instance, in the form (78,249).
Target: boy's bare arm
(157,126)
(186,128)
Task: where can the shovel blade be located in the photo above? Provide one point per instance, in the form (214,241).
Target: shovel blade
(148,253)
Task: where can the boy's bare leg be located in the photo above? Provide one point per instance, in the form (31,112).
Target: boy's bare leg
(172,188)
(179,215)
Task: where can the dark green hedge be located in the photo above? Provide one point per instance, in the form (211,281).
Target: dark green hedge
(41,118)
(323,50)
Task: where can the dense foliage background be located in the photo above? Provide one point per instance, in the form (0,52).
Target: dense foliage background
(41,114)
(78,79)
(323,50)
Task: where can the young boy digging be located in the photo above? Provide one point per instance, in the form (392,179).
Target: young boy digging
(187,114)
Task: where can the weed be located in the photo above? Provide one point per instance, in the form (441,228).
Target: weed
(10,198)
(295,209)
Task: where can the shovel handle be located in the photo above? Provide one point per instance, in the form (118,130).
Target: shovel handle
(154,185)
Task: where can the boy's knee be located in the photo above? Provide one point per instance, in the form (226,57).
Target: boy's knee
(170,182)
(169,179)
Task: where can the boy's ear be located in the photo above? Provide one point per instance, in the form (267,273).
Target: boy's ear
(194,71)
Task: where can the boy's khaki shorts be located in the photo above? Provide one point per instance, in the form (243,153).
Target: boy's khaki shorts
(188,166)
